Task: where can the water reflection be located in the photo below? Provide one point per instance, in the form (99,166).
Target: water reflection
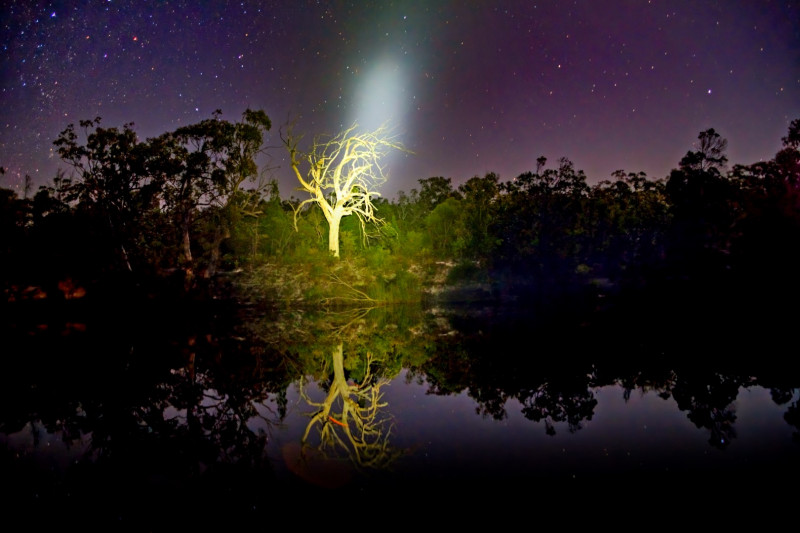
(351,417)
(237,408)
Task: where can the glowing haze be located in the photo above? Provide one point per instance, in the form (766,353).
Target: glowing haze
(381,95)
(381,100)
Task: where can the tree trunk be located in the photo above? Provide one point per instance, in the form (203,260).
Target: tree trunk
(219,236)
(188,271)
(186,245)
(333,234)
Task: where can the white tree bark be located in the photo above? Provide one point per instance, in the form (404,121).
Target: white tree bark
(343,175)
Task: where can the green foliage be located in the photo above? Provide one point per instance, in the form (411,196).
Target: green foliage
(272,232)
(434,191)
(414,244)
(443,225)
(349,242)
(540,222)
(310,235)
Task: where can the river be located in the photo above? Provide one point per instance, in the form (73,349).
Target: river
(215,410)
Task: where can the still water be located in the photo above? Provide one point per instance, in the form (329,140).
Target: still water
(123,416)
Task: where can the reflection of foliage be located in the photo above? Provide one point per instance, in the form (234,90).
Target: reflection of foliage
(709,401)
(351,419)
(552,404)
(359,428)
(661,383)
(219,399)
(484,357)
(792,417)
(199,393)
(189,400)
(782,396)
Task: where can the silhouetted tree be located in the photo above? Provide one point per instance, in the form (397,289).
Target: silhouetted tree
(152,196)
(433,191)
(540,222)
(767,225)
(627,223)
(112,182)
(702,216)
(478,204)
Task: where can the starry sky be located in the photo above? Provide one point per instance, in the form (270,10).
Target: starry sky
(469,87)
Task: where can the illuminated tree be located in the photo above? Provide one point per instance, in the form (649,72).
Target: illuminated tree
(342,176)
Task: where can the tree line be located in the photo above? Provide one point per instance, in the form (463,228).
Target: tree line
(193,202)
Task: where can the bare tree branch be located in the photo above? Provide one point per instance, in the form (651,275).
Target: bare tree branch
(342,176)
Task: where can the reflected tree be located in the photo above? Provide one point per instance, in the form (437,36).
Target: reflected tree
(553,404)
(709,401)
(179,408)
(351,354)
(792,417)
(350,417)
(783,395)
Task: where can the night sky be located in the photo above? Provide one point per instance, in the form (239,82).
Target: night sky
(470,86)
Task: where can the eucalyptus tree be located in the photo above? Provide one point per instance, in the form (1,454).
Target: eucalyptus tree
(702,212)
(767,225)
(152,194)
(342,174)
(111,181)
(541,218)
(203,169)
(443,227)
(628,221)
(433,191)
(479,204)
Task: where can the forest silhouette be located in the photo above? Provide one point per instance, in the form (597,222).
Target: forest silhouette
(190,212)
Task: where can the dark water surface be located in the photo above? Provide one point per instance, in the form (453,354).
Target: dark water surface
(179,414)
